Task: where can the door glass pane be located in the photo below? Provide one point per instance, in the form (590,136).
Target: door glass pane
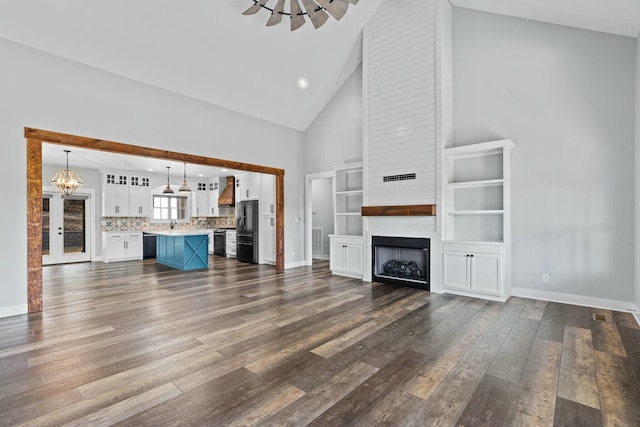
(46,216)
(74,226)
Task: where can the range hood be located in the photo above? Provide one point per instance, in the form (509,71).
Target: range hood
(227,197)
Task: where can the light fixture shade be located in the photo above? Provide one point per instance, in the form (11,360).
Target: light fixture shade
(66,181)
(185,187)
(168,190)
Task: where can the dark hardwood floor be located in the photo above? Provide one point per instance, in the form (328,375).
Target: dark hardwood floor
(138,344)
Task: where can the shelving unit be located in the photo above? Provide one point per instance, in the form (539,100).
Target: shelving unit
(477,223)
(346,243)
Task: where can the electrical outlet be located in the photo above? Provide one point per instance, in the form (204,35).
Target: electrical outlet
(546,278)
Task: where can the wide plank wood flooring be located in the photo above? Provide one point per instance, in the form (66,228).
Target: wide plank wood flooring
(138,344)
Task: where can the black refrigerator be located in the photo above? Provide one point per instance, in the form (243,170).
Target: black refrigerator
(247,232)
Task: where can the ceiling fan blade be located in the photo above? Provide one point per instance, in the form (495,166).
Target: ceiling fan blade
(317,15)
(255,8)
(337,8)
(276,15)
(353,1)
(297,20)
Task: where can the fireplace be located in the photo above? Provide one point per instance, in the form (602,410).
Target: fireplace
(401,261)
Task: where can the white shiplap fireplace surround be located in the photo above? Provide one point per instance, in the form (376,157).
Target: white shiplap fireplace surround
(408,119)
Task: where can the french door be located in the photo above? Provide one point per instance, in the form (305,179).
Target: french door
(66,231)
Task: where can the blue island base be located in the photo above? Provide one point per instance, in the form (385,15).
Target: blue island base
(183,252)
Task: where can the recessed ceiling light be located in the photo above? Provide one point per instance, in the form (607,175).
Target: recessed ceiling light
(303,83)
(223,170)
(149,170)
(200,175)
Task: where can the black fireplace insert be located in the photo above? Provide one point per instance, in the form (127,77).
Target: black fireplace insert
(401,261)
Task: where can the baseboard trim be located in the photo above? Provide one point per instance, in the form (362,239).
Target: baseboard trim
(294,264)
(14,310)
(607,304)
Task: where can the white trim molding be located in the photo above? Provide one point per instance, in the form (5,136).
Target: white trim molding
(607,304)
(14,310)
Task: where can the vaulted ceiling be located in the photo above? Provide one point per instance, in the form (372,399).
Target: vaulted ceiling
(207,49)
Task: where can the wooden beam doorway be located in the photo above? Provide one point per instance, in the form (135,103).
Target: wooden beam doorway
(35,138)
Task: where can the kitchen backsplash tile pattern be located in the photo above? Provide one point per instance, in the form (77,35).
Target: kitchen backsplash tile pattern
(144,224)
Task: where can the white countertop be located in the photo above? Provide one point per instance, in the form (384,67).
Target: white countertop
(179,232)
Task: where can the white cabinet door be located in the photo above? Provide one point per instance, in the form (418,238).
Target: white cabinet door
(456,270)
(337,259)
(486,273)
(115,200)
(241,187)
(139,201)
(116,250)
(214,193)
(201,193)
(268,240)
(268,194)
(134,246)
(353,259)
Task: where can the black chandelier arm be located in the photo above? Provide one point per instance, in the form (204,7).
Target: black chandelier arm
(285,13)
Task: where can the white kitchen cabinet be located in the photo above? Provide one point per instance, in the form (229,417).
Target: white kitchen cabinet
(268,240)
(121,246)
(346,256)
(201,193)
(247,186)
(125,195)
(212,199)
(268,194)
(230,249)
(139,196)
(115,194)
(475,270)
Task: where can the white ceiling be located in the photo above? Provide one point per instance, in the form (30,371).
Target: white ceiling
(53,154)
(208,50)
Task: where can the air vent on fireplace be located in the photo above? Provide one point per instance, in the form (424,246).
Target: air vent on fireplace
(403,177)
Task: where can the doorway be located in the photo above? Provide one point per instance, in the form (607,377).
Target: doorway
(66,227)
(320,214)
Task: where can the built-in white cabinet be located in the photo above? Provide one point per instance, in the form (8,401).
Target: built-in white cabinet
(121,246)
(346,244)
(475,269)
(348,199)
(214,193)
(201,193)
(125,195)
(230,238)
(248,186)
(346,255)
(268,223)
(268,240)
(477,219)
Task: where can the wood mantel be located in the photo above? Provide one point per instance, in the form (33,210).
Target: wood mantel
(406,210)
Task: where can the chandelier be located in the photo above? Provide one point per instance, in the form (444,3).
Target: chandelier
(67,181)
(316,10)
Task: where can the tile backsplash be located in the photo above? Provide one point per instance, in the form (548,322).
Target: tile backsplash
(108,223)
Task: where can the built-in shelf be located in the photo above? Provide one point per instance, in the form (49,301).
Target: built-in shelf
(475,184)
(348,193)
(348,213)
(478,212)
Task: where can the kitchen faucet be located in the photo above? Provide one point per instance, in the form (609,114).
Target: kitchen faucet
(173,223)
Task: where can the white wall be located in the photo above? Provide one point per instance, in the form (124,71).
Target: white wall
(323,210)
(48,92)
(336,134)
(637,175)
(566,98)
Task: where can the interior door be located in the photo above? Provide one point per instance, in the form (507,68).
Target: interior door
(66,231)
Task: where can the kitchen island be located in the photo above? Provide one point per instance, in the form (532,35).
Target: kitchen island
(183,250)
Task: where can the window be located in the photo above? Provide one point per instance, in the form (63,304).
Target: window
(166,208)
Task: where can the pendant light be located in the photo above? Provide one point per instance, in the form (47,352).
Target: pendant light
(66,180)
(168,190)
(185,187)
